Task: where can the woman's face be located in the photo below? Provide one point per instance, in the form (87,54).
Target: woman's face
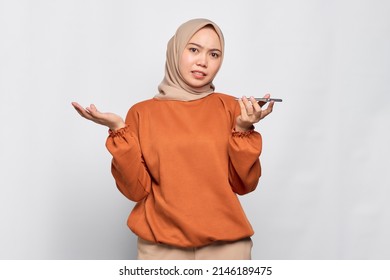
(201,59)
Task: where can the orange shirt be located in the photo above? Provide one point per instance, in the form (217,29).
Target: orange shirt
(184,165)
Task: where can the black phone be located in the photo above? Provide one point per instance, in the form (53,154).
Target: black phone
(268,99)
(262,99)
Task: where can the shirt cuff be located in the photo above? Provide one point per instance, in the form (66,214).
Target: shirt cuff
(242,134)
(118,132)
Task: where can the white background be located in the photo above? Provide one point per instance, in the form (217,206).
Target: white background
(325,186)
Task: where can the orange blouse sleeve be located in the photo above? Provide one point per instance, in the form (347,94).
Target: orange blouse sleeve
(244,151)
(128,167)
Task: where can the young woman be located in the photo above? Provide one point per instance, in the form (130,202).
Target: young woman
(185,154)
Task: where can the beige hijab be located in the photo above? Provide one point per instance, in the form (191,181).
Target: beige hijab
(173,86)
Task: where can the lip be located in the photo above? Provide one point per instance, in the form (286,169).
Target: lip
(198,74)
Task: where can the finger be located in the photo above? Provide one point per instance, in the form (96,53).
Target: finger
(256,106)
(270,106)
(248,106)
(77,106)
(93,111)
(269,109)
(82,112)
(243,109)
(93,108)
(262,103)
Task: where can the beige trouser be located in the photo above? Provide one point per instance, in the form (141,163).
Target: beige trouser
(238,250)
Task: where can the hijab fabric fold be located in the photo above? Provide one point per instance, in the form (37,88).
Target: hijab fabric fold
(173,86)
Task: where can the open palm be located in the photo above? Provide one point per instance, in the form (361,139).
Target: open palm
(112,121)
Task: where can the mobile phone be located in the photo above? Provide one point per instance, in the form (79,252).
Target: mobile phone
(268,99)
(262,99)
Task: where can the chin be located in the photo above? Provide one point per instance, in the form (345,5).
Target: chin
(200,86)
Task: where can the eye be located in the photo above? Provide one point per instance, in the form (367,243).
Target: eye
(192,49)
(215,55)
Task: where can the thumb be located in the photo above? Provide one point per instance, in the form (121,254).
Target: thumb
(93,110)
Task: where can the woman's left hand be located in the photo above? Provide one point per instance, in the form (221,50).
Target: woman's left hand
(251,112)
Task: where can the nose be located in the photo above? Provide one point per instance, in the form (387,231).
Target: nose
(202,61)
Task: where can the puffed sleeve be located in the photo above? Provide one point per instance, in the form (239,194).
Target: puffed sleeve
(244,168)
(128,167)
(244,151)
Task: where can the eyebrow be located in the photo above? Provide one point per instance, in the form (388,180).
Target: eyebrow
(200,46)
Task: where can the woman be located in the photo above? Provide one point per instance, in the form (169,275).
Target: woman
(185,154)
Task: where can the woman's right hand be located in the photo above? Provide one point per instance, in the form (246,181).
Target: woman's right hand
(112,121)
